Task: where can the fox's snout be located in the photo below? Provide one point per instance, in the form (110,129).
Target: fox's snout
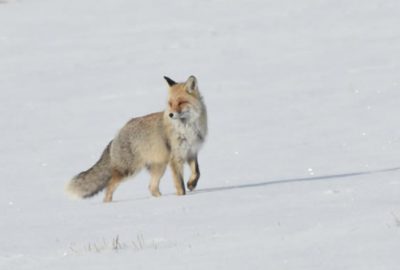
(177,115)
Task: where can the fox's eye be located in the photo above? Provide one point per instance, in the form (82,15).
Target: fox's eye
(170,103)
(182,103)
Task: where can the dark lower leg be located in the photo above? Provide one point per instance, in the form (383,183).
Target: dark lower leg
(194,178)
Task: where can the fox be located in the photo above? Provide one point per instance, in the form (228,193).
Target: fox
(171,137)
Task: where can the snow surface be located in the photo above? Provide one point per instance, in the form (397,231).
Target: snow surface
(301,169)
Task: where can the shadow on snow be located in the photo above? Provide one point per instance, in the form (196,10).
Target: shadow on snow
(296,180)
(275,182)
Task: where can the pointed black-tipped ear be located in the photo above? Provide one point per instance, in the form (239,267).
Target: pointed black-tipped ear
(191,84)
(169,81)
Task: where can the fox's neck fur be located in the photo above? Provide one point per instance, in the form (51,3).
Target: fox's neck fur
(187,133)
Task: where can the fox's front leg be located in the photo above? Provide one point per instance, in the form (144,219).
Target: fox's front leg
(194,178)
(177,173)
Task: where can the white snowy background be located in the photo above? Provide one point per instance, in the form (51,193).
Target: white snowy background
(301,169)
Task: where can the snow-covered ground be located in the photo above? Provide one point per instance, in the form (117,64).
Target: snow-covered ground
(301,169)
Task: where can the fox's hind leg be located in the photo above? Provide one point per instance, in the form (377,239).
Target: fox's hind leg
(156,172)
(194,178)
(116,179)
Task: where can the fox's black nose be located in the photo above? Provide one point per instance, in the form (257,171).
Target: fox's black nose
(171,115)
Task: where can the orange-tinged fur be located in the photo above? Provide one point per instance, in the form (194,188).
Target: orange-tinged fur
(172,137)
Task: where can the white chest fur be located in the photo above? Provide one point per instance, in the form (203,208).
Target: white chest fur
(188,138)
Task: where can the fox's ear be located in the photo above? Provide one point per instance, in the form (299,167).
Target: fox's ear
(191,84)
(169,81)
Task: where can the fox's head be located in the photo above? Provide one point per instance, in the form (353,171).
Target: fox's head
(184,99)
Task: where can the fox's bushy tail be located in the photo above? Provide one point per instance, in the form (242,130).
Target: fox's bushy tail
(90,182)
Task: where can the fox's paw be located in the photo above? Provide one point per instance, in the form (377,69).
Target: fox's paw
(181,192)
(107,199)
(191,185)
(155,192)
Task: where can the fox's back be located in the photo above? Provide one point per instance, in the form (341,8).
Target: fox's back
(141,141)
